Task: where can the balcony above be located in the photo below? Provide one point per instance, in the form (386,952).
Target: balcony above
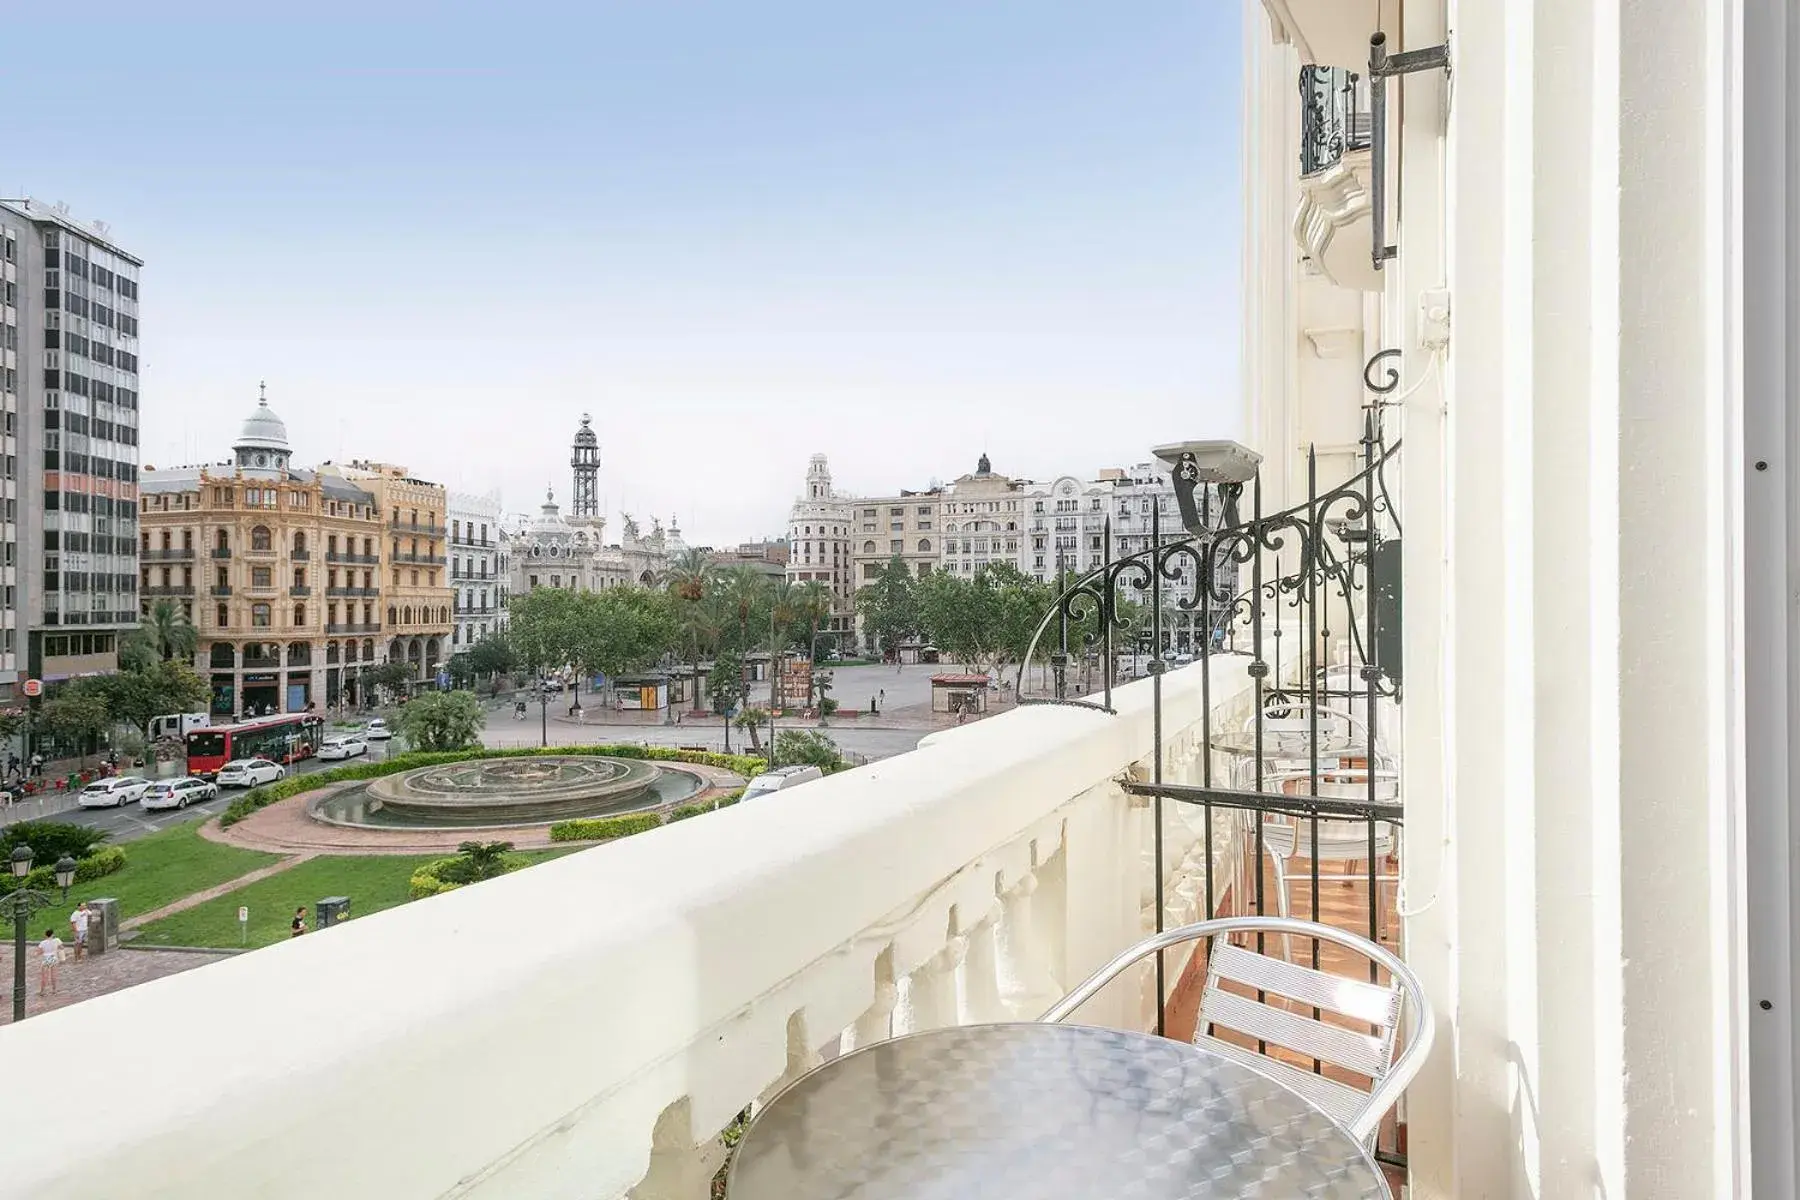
(1334,219)
(1332,33)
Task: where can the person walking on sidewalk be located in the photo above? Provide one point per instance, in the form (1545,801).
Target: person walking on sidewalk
(297,926)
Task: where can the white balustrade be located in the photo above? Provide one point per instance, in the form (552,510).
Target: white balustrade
(466,1046)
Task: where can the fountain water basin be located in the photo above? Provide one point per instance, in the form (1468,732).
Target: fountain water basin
(506,792)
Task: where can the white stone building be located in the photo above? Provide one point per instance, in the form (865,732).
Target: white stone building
(477,576)
(819,543)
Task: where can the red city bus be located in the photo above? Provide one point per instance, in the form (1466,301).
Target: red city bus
(283,739)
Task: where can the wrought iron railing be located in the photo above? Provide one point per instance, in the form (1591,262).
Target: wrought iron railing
(1334,116)
(1304,602)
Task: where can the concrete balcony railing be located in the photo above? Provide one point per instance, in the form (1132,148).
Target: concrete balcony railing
(495,1054)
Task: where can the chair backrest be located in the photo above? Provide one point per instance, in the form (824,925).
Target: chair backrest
(1272,1006)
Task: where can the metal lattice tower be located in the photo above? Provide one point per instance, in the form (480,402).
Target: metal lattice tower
(584,500)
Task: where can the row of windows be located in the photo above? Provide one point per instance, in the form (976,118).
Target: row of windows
(83,464)
(94,311)
(873,569)
(83,581)
(85,543)
(456,532)
(62,645)
(104,506)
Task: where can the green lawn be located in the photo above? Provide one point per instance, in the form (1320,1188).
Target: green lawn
(163,867)
(372,883)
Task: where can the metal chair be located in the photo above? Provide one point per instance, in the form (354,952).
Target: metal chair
(1381,1007)
(1340,840)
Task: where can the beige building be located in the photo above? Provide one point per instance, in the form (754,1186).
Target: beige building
(278,567)
(983,518)
(416,597)
(906,527)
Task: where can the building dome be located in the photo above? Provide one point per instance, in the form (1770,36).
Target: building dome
(585,436)
(550,523)
(262,441)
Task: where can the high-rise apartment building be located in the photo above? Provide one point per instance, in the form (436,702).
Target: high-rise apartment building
(68,445)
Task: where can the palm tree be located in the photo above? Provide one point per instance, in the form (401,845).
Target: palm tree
(690,578)
(813,603)
(165,633)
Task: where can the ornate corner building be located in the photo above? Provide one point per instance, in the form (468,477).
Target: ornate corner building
(551,550)
(298,580)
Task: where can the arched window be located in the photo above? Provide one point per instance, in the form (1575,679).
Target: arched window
(924,545)
(868,547)
(393,617)
(222,655)
(443,616)
(260,539)
(299,541)
(406,615)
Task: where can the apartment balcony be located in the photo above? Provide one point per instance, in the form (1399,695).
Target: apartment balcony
(369,560)
(1332,33)
(1333,222)
(219,589)
(166,589)
(300,555)
(340,628)
(423,530)
(299,590)
(176,554)
(423,560)
(355,593)
(221,552)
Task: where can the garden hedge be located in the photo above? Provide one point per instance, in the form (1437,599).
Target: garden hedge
(101,863)
(426,880)
(294,785)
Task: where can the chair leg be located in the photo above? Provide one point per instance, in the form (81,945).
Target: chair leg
(1282,902)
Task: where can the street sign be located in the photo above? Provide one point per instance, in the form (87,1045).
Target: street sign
(243,914)
(33,687)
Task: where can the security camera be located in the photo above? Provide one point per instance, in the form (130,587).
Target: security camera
(1226,465)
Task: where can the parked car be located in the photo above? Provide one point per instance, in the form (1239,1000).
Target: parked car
(178,793)
(780,779)
(114,792)
(249,772)
(346,746)
(377,731)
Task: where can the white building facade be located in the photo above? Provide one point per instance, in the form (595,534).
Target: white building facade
(820,541)
(477,575)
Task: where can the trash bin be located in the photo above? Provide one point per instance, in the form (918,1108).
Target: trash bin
(332,910)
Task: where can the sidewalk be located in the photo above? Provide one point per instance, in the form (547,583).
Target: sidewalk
(913,717)
(53,802)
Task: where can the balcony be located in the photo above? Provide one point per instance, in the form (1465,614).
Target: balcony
(219,589)
(171,555)
(299,589)
(221,552)
(975,879)
(300,555)
(166,589)
(351,627)
(357,593)
(1331,33)
(415,527)
(1333,221)
(423,560)
(334,556)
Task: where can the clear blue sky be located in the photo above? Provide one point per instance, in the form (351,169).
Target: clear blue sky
(737,233)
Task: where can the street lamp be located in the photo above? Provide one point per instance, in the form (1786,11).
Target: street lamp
(20,904)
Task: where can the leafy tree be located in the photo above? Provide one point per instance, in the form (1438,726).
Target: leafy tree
(545,628)
(50,840)
(394,676)
(442,721)
(810,747)
(493,655)
(889,605)
(165,686)
(726,682)
(77,714)
(12,723)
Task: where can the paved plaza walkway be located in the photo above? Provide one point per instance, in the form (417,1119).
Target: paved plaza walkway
(96,976)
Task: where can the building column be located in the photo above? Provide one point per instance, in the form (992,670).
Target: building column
(1578,917)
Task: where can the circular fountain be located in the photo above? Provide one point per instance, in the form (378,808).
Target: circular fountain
(499,793)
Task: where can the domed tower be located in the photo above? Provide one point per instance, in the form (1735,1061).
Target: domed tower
(818,479)
(584,500)
(262,443)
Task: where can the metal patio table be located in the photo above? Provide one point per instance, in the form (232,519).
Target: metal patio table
(1046,1111)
